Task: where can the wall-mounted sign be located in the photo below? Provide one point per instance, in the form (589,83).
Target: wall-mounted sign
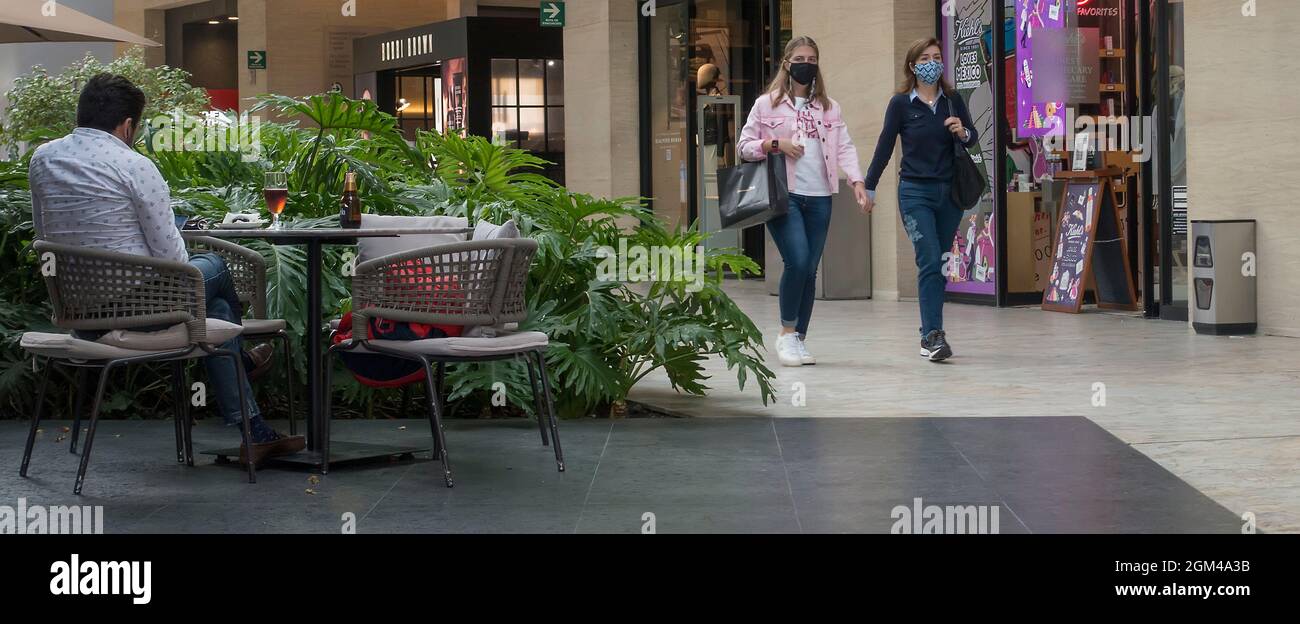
(405,47)
(257,59)
(553,14)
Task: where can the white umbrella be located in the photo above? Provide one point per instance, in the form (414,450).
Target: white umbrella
(25,21)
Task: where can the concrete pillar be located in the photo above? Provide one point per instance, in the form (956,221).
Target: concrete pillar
(601,113)
(862,44)
(1243,126)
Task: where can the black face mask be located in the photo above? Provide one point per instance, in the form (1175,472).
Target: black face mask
(803,73)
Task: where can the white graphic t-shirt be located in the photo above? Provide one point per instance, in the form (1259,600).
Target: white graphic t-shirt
(810,175)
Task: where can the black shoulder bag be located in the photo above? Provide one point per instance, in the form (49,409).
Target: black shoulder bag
(753,192)
(968,184)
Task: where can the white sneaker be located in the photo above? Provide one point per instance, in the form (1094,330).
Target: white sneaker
(787,350)
(805,357)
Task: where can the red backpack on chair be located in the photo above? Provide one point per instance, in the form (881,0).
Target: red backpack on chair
(382,371)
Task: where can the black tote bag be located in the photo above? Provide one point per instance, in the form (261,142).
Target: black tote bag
(968,184)
(753,192)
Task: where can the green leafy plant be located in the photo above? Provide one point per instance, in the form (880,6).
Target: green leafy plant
(606,335)
(43,106)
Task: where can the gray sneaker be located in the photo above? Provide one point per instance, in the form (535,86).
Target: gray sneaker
(934,346)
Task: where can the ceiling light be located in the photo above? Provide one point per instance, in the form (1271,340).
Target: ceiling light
(402,104)
(214,22)
(233,18)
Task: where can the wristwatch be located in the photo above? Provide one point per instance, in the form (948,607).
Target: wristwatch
(776,145)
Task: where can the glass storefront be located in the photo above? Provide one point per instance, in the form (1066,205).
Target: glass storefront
(498,77)
(528,104)
(1111,68)
(703,63)
(1170,185)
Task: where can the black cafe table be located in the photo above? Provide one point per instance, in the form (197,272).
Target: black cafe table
(314,239)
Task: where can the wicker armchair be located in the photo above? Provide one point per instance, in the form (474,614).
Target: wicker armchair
(473,283)
(126,296)
(248,270)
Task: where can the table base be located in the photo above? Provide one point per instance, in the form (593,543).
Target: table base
(340,453)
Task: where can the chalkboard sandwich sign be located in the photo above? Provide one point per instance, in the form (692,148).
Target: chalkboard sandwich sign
(1089,249)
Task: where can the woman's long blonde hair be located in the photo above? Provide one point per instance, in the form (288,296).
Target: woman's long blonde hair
(909,75)
(782,85)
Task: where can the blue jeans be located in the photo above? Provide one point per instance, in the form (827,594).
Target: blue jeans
(223,304)
(931,221)
(800,236)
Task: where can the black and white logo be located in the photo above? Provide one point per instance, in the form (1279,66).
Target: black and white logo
(102,578)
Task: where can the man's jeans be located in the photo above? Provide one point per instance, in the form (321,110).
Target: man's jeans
(800,236)
(223,304)
(931,221)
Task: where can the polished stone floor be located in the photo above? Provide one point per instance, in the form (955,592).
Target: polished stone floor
(1193,433)
(1221,413)
(814,475)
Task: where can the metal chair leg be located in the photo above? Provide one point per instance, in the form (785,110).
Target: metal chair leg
(184,425)
(78,408)
(435,420)
(36,417)
(243,406)
(178,394)
(327,412)
(94,423)
(288,381)
(550,410)
(537,400)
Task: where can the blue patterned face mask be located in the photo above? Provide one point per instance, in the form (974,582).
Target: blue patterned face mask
(929,71)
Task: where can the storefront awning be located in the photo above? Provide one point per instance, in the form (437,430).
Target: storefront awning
(25,21)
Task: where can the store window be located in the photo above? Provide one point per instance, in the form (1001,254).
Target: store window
(419,100)
(528,104)
(1171,281)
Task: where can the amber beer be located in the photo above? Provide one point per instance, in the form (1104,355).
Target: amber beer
(350,205)
(276,192)
(275,200)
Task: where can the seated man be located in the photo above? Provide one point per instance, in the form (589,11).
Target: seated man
(91,189)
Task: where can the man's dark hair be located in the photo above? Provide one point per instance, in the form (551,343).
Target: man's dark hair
(108,100)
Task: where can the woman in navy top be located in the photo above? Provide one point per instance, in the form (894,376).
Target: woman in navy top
(927,114)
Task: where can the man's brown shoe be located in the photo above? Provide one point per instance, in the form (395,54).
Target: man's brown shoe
(261,357)
(280,446)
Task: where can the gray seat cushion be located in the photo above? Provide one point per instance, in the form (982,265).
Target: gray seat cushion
(174,337)
(253,327)
(371,248)
(508,344)
(123,343)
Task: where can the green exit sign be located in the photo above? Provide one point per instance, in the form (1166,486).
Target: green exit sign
(257,59)
(553,14)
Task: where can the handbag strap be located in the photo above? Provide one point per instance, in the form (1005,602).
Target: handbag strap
(960,103)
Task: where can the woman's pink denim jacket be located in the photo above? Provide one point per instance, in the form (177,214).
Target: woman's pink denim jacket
(767,122)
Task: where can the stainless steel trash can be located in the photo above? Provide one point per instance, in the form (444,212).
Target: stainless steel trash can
(845,270)
(1223,277)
